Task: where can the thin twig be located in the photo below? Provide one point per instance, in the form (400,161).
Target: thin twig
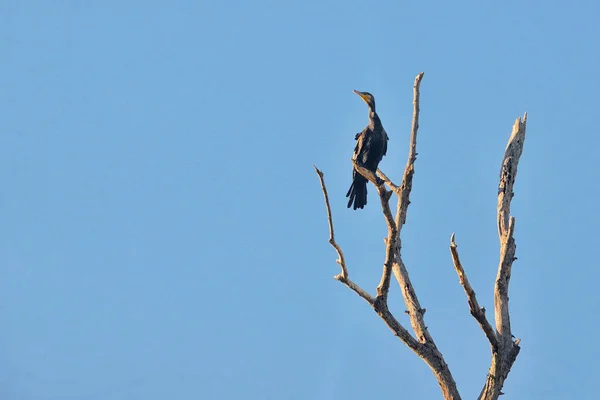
(476,311)
(409,171)
(341,261)
(343,277)
(387,181)
(354,287)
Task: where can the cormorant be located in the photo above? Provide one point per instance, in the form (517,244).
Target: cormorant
(371,146)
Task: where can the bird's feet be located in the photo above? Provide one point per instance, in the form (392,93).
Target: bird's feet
(379,181)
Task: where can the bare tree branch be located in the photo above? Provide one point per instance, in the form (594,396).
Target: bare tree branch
(378,305)
(341,261)
(476,311)
(506,227)
(412,151)
(381,308)
(410,298)
(507,256)
(343,277)
(508,350)
(357,289)
(508,173)
(387,181)
(392,237)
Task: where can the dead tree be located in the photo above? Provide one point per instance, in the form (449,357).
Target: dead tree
(504,348)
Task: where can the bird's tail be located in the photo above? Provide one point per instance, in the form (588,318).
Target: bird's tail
(357,192)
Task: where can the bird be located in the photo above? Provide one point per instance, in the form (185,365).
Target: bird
(371,146)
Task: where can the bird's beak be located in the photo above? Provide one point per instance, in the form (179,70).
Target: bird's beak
(361,94)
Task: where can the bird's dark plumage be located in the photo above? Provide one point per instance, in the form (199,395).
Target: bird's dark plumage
(371,146)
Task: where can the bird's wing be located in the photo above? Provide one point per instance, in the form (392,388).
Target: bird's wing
(385,141)
(361,138)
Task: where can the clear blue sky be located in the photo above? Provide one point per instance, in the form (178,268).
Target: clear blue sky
(163,233)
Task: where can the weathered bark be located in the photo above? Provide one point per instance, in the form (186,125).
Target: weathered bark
(508,350)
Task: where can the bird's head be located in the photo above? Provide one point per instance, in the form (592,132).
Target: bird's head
(368,98)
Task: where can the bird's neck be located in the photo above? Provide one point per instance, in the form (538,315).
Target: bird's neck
(374,121)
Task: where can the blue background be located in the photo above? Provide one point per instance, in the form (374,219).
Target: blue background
(163,233)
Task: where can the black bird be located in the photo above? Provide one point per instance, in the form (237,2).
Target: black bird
(371,146)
